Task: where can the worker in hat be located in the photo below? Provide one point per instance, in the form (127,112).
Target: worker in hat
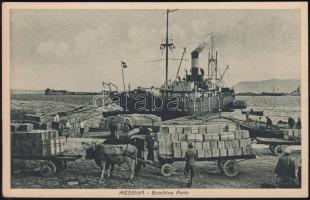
(150,141)
(190,157)
(268,122)
(285,170)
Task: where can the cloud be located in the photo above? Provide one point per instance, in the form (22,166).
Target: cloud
(53,50)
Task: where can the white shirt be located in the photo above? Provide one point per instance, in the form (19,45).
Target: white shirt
(56,118)
(68,125)
(83,124)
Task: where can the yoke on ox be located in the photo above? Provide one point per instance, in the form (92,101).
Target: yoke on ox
(106,155)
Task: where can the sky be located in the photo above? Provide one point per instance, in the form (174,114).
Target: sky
(78,49)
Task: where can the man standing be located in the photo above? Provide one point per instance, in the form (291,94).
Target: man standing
(190,157)
(269,122)
(68,129)
(291,122)
(56,122)
(285,170)
(298,124)
(82,127)
(149,143)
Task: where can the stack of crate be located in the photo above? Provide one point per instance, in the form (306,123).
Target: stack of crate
(292,135)
(28,142)
(212,140)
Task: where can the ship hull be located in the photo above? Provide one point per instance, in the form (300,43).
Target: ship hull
(172,107)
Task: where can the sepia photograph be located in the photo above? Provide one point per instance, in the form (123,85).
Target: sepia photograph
(155,99)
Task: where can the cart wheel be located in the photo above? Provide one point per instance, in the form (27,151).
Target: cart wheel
(278,150)
(271,147)
(231,168)
(48,169)
(166,170)
(220,163)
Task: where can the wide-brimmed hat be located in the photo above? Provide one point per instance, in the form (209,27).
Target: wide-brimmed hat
(287,151)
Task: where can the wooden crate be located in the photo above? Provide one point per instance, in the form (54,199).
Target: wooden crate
(200,153)
(176,145)
(221,144)
(228,144)
(238,151)
(245,134)
(206,146)
(215,136)
(166,152)
(187,130)
(214,128)
(297,139)
(182,137)
(169,144)
(248,141)
(190,137)
(232,128)
(247,150)
(174,137)
(213,145)
(160,136)
(164,129)
(231,135)
(171,129)
(179,129)
(161,144)
(202,129)
(296,133)
(14,127)
(177,153)
(224,136)
(183,145)
(208,153)
(243,142)
(235,143)
(25,127)
(195,129)
(238,135)
(198,145)
(223,152)
(215,153)
(207,137)
(231,152)
(198,137)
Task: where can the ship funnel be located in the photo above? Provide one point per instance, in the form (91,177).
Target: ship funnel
(195,59)
(195,56)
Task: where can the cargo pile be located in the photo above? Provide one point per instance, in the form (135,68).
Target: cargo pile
(292,135)
(135,120)
(211,140)
(27,142)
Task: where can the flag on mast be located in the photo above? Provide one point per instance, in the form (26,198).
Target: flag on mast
(124,65)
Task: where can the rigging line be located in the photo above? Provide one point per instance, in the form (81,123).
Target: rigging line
(165,59)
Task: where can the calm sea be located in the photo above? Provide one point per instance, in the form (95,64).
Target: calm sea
(276,107)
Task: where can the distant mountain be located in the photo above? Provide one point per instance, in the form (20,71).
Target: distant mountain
(279,85)
(20,91)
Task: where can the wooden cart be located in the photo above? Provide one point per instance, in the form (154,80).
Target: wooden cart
(229,164)
(50,165)
(276,145)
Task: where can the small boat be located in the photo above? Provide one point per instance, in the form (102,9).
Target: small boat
(259,129)
(239,104)
(253,112)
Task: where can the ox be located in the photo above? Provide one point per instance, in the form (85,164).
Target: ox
(106,155)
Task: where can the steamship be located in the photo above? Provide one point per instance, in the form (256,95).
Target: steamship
(193,95)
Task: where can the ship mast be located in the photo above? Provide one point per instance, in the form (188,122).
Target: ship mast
(212,65)
(166,46)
